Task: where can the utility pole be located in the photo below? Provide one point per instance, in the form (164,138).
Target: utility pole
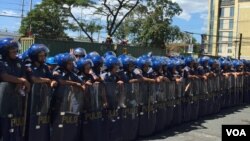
(30,10)
(22,9)
(240,46)
(190,42)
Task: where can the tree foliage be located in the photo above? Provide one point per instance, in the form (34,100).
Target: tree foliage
(151,23)
(46,21)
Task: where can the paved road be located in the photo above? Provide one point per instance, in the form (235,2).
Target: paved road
(206,129)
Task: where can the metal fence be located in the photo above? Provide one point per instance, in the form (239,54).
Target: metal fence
(57,46)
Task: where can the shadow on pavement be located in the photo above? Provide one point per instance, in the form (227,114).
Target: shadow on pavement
(187,127)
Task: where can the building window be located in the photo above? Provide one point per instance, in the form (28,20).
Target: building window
(222,11)
(230,45)
(220,48)
(229,50)
(221,24)
(231,11)
(230,36)
(231,24)
(220,36)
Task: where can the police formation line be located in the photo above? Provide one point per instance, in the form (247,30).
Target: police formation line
(83,97)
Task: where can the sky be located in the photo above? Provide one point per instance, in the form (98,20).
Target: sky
(192,19)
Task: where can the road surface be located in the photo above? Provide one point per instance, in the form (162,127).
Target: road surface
(206,129)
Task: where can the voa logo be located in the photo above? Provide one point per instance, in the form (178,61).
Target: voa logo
(236,132)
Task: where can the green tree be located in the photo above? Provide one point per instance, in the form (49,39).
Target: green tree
(45,21)
(115,11)
(151,23)
(67,6)
(92,27)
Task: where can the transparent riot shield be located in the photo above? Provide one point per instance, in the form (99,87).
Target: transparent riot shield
(147,110)
(195,99)
(187,100)
(217,94)
(234,91)
(116,97)
(241,88)
(12,112)
(177,115)
(211,93)
(39,117)
(130,114)
(93,117)
(170,92)
(229,100)
(224,90)
(245,89)
(67,103)
(203,101)
(160,92)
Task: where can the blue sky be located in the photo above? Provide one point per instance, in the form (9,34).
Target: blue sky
(192,19)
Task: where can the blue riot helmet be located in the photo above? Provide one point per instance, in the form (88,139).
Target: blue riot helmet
(237,63)
(51,61)
(111,61)
(171,65)
(127,61)
(224,64)
(94,53)
(7,44)
(109,53)
(204,60)
(143,61)
(65,58)
(211,61)
(97,61)
(56,58)
(156,64)
(164,61)
(34,51)
(189,60)
(83,62)
(79,52)
(178,63)
(25,55)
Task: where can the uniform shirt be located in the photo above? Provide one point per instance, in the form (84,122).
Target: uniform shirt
(86,77)
(13,67)
(154,74)
(66,75)
(173,75)
(203,70)
(108,77)
(126,76)
(216,70)
(40,71)
(188,71)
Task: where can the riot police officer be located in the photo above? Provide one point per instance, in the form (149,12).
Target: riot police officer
(51,62)
(41,77)
(67,101)
(79,53)
(13,91)
(97,65)
(84,66)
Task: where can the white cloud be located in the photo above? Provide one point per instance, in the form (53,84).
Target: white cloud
(8,13)
(204,17)
(190,7)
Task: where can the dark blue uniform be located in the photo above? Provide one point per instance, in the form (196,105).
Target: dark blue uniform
(12,101)
(40,96)
(13,67)
(126,76)
(40,71)
(108,77)
(86,77)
